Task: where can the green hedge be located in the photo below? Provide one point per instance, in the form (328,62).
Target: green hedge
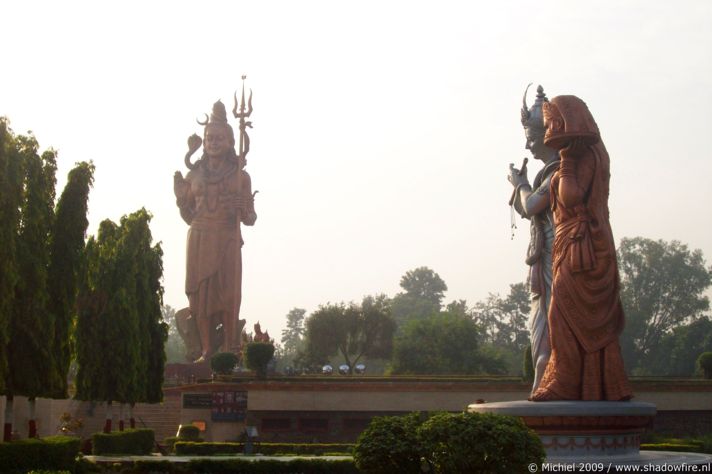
(677,447)
(239,466)
(52,453)
(184,448)
(138,441)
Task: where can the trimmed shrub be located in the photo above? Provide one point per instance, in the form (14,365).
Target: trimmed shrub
(138,441)
(53,453)
(389,444)
(223,363)
(704,361)
(257,356)
(677,447)
(237,466)
(188,448)
(479,443)
(188,432)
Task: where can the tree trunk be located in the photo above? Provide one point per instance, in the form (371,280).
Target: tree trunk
(132,422)
(32,430)
(109,416)
(121,417)
(7,430)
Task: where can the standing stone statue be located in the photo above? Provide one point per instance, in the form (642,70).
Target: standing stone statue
(586,315)
(532,202)
(214,198)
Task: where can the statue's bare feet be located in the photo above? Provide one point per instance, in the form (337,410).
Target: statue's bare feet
(203,357)
(543,395)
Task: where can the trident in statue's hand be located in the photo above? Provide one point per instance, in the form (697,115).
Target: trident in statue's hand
(242,115)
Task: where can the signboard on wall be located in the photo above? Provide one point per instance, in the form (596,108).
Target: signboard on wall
(197,400)
(228,406)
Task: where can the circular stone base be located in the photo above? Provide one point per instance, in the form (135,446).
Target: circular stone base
(579,430)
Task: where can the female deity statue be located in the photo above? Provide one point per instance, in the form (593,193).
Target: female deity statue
(585,314)
(213,198)
(532,202)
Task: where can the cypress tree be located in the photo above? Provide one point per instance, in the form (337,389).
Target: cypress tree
(10,200)
(66,263)
(120,307)
(31,326)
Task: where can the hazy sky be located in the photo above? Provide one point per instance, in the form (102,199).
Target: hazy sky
(382,130)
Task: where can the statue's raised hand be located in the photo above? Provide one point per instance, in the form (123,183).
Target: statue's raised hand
(516,176)
(180,185)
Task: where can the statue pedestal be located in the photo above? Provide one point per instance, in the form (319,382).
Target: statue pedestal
(591,432)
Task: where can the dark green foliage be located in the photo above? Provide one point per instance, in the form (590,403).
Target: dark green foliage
(188,432)
(527,365)
(676,447)
(390,444)
(188,448)
(442,344)
(678,350)
(223,362)
(425,284)
(54,452)
(243,466)
(31,326)
(422,296)
(120,308)
(662,287)
(479,443)
(705,363)
(11,188)
(66,263)
(138,442)
(352,331)
(257,356)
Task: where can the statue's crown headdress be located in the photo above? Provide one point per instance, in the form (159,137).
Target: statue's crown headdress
(217,116)
(533,117)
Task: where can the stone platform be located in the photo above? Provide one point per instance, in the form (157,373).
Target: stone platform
(591,432)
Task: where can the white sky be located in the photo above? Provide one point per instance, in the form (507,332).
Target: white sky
(383,130)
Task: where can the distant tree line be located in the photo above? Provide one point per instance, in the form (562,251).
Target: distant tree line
(668,324)
(45,269)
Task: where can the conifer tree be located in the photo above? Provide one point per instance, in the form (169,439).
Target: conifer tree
(66,263)
(120,308)
(10,201)
(31,326)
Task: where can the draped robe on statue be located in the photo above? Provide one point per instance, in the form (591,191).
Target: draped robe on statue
(585,313)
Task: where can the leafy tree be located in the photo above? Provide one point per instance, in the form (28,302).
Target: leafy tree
(443,344)
(175,347)
(353,331)
(662,286)
(293,335)
(31,327)
(678,350)
(11,180)
(66,263)
(424,283)
(504,324)
(423,293)
(705,363)
(121,308)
